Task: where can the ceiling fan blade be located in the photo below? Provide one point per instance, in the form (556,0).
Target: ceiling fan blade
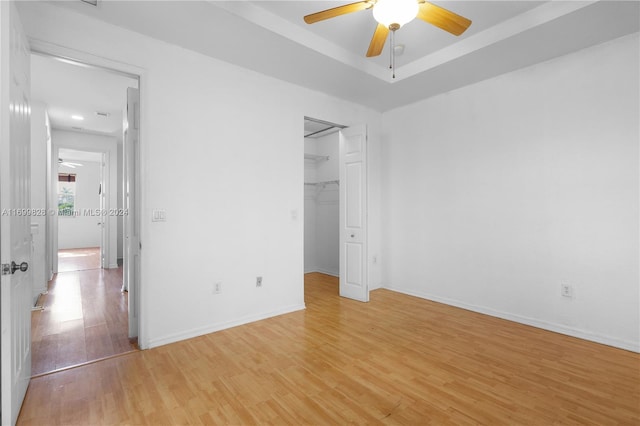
(377,41)
(443,19)
(337,11)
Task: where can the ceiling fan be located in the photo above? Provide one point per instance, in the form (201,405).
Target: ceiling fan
(69,163)
(393,14)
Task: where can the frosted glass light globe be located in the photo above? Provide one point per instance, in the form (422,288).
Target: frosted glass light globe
(399,12)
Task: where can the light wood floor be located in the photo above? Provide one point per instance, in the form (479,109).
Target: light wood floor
(84,318)
(78,259)
(395,360)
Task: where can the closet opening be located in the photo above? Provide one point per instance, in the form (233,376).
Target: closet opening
(321,197)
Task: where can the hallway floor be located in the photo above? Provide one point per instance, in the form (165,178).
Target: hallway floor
(85,318)
(78,259)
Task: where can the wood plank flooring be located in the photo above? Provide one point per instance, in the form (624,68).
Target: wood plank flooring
(78,259)
(84,319)
(395,360)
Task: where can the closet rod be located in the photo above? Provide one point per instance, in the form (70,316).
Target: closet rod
(329,126)
(337,182)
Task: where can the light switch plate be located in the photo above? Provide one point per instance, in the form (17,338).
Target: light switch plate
(159,215)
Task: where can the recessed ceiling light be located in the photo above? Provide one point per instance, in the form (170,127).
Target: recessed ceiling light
(77,117)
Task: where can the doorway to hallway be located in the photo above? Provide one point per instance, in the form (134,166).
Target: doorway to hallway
(83,315)
(84,319)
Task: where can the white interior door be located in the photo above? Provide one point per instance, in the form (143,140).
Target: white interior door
(131,272)
(353,213)
(15,236)
(103,219)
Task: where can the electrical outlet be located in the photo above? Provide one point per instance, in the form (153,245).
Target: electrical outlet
(217,288)
(258,281)
(566,290)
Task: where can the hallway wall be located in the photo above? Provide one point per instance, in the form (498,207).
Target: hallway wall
(82,230)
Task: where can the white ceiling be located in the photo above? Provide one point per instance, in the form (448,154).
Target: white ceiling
(70,89)
(270,37)
(353,32)
(67,154)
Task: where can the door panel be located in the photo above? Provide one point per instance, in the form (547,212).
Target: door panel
(354,272)
(353,185)
(353,214)
(15,199)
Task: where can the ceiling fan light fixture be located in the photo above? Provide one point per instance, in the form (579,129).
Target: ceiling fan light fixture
(395,13)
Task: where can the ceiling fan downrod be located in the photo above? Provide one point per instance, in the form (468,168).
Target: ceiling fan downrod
(392,50)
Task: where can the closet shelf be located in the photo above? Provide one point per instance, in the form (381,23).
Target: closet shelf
(316,157)
(326,182)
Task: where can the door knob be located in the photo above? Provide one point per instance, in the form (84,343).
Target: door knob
(353,235)
(22,267)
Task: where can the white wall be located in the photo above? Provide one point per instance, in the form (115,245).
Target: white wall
(82,230)
(497,192)
(40,135)
(233,192)
(96,143)
(322,227)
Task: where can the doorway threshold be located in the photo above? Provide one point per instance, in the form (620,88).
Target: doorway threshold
(82,364)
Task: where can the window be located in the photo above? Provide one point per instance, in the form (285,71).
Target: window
(66,194)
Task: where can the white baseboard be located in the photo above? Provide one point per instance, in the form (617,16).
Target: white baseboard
(328,272)
(545,325)
(176,337)
(324,271)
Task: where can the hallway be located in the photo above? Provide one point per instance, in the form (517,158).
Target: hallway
(84,318)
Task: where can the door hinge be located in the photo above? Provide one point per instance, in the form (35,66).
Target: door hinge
(6,269)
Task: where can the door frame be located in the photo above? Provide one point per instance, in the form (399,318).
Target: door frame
(54,231)
(89,60)
(341,204)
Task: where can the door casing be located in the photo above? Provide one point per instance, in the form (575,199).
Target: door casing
(89,60)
